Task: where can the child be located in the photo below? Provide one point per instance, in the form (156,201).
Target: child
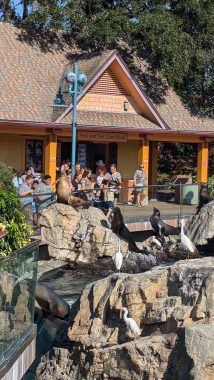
(108,191)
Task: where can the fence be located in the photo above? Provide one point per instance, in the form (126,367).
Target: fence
(171,199)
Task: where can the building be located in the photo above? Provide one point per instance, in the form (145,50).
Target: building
(116,120)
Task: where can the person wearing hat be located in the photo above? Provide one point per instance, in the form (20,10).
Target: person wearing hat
(100,163)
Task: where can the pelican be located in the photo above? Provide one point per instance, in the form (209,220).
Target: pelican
(118,257)
(131,323)
(186,242)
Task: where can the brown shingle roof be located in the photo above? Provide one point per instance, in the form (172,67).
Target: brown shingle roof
(29,78)
(179,118)
(113,119)
(29,82)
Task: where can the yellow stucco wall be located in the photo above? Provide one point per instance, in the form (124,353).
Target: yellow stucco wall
(11,150)
(127,159)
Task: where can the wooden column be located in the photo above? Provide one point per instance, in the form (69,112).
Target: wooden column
(153,167)
(143,155)
(50,157)
(202,162)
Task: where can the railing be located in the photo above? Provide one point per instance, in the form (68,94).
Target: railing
(170,199)
(18,274)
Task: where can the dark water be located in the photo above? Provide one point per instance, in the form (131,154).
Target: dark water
(69,284)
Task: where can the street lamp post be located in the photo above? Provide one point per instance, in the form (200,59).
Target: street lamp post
(75,82)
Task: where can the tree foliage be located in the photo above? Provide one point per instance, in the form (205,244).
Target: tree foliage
(176,36)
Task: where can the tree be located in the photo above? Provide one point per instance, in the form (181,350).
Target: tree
(176,36)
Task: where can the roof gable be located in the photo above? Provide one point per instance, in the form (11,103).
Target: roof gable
(121,79)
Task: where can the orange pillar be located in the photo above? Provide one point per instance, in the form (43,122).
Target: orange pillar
(202,162)
(50,157)
(153,168)
(143,155)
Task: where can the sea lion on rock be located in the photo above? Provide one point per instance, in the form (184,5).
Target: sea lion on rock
(118,227)
(157,223)
(50,302)
(204,197)
(64,195)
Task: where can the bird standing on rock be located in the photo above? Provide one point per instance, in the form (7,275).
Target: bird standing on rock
(118,258)
(131,323)
(185,241)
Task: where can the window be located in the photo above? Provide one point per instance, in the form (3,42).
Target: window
(34,154)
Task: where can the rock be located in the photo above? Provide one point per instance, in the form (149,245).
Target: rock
(146,358)
(174,308)
(77,236)
(82,237)
(200,228)
(199,343)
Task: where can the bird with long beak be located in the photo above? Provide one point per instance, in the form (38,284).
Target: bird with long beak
(185,241)
(118,257)
(130,323)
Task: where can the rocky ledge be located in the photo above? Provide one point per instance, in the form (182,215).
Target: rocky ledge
(82,237)
(174,308)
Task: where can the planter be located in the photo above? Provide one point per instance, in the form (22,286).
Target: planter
(18,273)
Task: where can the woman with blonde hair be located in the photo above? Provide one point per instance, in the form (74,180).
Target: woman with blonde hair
(140,185)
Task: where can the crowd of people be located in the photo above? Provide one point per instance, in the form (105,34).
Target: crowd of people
(102,189)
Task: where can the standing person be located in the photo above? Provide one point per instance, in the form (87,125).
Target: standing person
(101,175)
(65,167)
(42,188)
(140,185)
(77,168)
(77,182)
(26,197)
(17,180)
(28,172)
(116,177)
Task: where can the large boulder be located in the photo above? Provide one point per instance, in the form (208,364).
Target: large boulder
(174,308)
(78,236)
(83,237)
(200,228)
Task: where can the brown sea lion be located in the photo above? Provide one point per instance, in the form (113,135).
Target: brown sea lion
(64,195)
(63,189)
(50,302)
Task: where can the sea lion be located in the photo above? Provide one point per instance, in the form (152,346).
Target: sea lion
(157,224)
(63,189)
(64,195)
(50,302)
(204,197)
(118,227)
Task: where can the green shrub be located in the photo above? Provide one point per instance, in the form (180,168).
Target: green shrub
(6,176)
(12,220)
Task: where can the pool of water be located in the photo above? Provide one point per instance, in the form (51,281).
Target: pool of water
(69,284)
